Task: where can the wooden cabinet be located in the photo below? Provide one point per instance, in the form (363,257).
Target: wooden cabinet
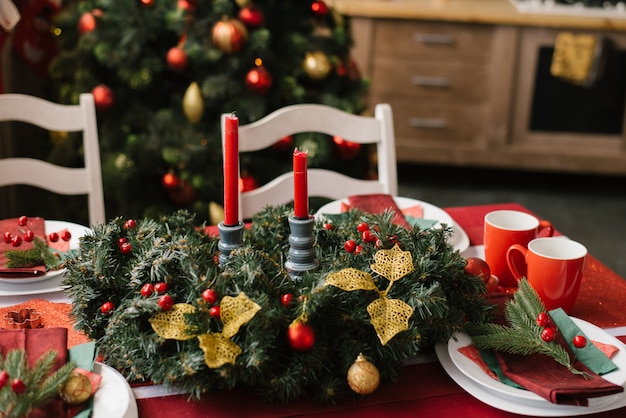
(461,94)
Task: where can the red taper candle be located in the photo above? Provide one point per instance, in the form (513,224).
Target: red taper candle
(231,170)
(300,185)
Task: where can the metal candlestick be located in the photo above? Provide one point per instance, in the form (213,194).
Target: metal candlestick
(231,238)
(301,252)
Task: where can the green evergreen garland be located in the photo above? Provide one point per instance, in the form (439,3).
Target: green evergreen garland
(175,249)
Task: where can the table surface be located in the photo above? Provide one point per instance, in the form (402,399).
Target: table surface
(424,388)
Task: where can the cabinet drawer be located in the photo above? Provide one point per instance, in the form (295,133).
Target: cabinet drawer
(433,40)
(457,82)
(425,122)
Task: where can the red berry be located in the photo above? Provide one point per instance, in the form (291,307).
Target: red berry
(367,236)
(286,299)
(53,237)
(579,341)
(29,236)
(16,241)
(478,267)
(349,246)
(328,226)
(147,289)
(4,378)
(548,334)
(160,288)
(130,224)
(121,241)
(126,248)
(358,249)
(209,295)
(22,221)
(362,227)
(66,235)
(215,311)
(7,237)
(543,319)
(18,386)
(107,307)
(166,302)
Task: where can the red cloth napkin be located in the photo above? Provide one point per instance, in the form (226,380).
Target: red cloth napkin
(378,203)
(37,225)
(37,342)
(542,375)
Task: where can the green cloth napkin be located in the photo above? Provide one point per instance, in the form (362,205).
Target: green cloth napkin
(84,355)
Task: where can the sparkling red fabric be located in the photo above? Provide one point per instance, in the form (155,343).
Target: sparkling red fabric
(378,203)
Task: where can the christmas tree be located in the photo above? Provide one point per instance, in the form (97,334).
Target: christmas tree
(162,73)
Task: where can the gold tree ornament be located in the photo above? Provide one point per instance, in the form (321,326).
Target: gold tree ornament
(172,325)
(235,312)
(393,264)
(363,376)
(317,65)
(351,279)
(389,317)
(193,105)
(218,350)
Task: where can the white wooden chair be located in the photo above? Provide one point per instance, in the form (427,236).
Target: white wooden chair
(318,118)
(85,180)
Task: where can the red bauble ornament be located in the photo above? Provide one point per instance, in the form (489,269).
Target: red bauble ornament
(166,302)
(86,23)
(107,308)
(209,295)
(301,337)
(103,97)
(170,181)
(251,16)
(247,183)
(229,35)
(258,80)
(183,195)
(148,3)
(176,59)
(478,267)
(345,149)
(319,8)
(284,144)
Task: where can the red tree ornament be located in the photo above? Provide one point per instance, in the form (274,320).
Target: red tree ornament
(477,267)
(86,23)
(251,16)
(346,150)
(170,181)
(258,80)
(183,195)
(229,35)
(247,183)
(285,144)
(319,8)
(301,337)
(103,97)
(176,59)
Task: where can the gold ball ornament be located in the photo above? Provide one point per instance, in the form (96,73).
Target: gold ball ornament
(193,105)
(316,65)
(229,35)
(77,389)
(363,376)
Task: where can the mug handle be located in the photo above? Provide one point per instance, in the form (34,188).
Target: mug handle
(545,229)
(511,260)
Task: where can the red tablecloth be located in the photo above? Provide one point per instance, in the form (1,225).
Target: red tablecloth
(424,390)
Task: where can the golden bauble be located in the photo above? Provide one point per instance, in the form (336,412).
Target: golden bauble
(316,65)
(77,389)
(363,376)
(193,105)
(229,35)
(216,213)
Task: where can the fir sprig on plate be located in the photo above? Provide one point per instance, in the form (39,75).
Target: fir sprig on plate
(523,334)
(36,256)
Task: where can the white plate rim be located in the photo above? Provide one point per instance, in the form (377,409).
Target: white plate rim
(509,399)
(459,239)
(50,282)
(114,398)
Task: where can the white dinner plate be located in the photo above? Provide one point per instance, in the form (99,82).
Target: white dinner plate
(114,397)
(50,281)
(476,382)
(459,239)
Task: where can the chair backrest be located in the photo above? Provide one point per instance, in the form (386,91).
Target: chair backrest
(85,180)
(301,118)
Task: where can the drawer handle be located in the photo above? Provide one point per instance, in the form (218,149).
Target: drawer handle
(427,123)
(433,38)
(419,80)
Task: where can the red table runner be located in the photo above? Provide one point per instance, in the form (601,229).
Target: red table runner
(424,390)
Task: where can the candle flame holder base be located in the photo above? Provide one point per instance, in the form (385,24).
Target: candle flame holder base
(231,238)
(301,252)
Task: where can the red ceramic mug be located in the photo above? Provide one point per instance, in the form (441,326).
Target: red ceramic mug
(553,267)
(504,228)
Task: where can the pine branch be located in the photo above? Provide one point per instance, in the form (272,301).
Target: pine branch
(39,255)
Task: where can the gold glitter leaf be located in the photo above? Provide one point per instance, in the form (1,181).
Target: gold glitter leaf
(235,312)
(171,324)
(218,350)
(393,264)
(351,279)
(389,317)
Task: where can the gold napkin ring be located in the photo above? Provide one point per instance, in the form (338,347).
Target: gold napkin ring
(22,319)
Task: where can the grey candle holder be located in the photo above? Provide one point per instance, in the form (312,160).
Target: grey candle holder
(301,252)
(231,238)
